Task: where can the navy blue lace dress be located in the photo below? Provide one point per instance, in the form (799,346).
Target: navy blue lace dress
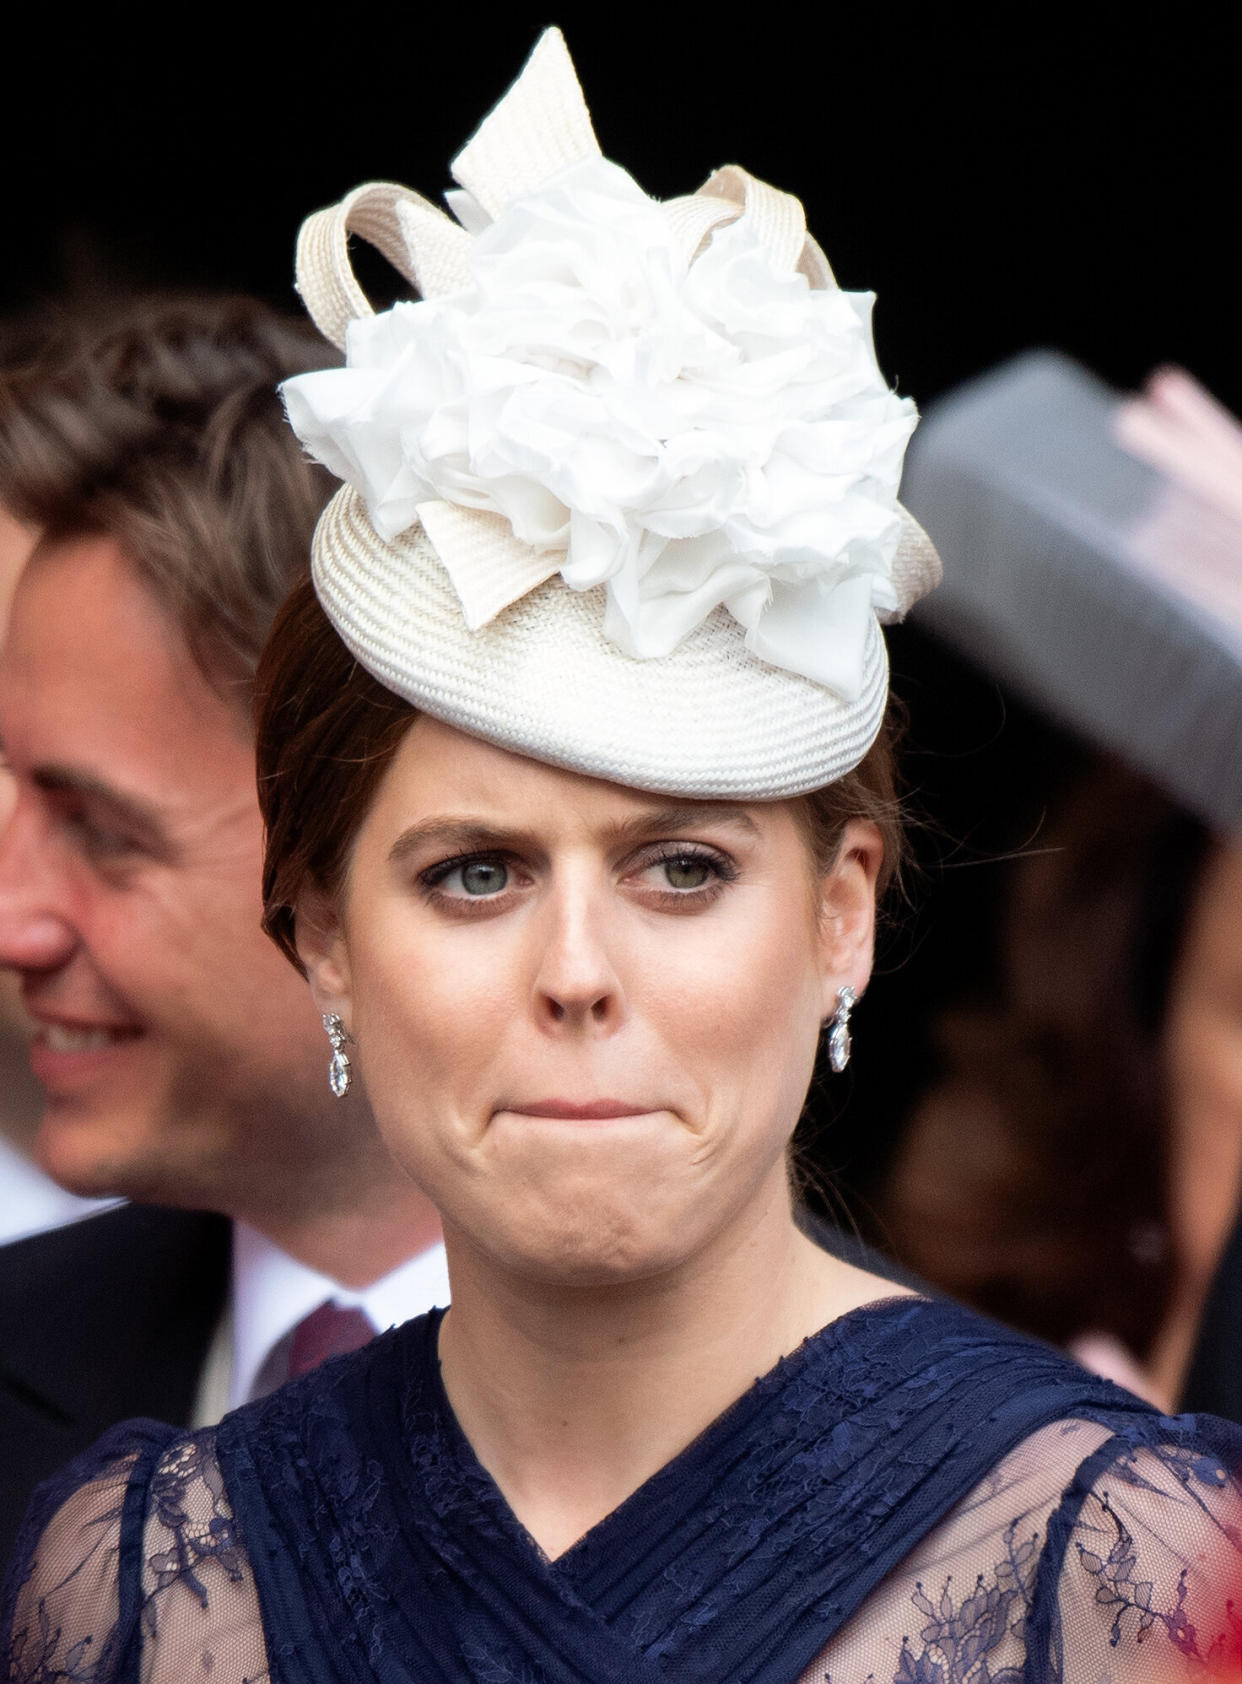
(915,1496)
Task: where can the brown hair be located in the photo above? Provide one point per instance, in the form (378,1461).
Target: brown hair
(164,431)
(327,730)
(1032,1179)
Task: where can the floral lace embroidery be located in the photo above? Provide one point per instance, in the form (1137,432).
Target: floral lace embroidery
(194,1540)
(189,1521)
(957,1640)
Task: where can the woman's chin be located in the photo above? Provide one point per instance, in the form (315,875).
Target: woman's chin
(581,1247)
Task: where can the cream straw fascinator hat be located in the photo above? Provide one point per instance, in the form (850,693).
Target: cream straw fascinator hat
(621,486)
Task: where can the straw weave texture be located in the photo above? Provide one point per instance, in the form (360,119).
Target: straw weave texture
(709,720)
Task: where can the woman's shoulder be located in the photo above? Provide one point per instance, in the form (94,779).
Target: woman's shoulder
(914,1340)
(929,1358)
(1089,1553)
(1132,1525)
(988,1419)
(921,1335)
(1078,1534)
(1147,1543)
(89,1492)
(135,1527)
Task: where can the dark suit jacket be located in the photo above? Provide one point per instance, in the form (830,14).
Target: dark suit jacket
(107,1318)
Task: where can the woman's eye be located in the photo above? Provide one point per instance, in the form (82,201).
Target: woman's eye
(687,877)
(687,871)
(475,879)
(483,877)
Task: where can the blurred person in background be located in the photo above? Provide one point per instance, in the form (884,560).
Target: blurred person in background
(1075,1167)
(29,1200)
(183,1064)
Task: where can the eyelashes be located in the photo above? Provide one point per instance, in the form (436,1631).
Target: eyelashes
(693,876)
(674,876)
(479,877)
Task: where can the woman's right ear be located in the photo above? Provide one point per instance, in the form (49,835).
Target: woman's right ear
(320,941)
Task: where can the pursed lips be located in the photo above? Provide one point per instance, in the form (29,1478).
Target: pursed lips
(595,1110)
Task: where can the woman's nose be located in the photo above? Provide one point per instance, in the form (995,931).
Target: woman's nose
(36,933)
(577,982)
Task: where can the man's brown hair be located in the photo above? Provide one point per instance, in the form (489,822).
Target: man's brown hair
(163,431)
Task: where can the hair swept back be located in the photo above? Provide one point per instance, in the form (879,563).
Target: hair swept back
(163,431)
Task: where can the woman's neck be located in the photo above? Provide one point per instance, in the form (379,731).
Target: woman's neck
(572,1399)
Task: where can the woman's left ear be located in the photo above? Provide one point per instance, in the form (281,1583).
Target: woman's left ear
(321,948)
(847,912)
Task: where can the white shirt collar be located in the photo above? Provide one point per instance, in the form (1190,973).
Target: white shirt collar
(30,1203)
(272,1292)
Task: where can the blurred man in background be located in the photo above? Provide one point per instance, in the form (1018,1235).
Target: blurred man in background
(29,1201)
(181,1058)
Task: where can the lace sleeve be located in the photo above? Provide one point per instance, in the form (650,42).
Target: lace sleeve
(1150,1584)
(129,1571)
(1083,1558)
(63,1613)
(200,1610)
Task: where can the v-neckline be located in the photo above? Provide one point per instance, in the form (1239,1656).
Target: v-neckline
(373,1525)
(701,1448)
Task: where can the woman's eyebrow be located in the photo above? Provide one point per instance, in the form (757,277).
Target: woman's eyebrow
(460,835)
(682,816)
(469,834)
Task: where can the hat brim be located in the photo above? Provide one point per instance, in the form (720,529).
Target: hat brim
(709,721)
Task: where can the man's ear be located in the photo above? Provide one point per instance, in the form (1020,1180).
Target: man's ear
(847,911)
(320,942)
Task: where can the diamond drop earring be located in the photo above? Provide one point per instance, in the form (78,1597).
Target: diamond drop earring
(340,1071)
(839,1030)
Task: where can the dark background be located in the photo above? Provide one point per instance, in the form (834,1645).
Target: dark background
(1001,176)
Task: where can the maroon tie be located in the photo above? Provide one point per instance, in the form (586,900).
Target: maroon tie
(327,1332)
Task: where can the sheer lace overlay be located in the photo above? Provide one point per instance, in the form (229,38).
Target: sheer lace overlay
(1150,1587)
(1094,1551)
(66,1623)
(200,1614)
(139,1576)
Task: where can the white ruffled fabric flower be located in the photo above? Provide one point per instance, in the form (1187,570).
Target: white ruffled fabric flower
(688,437)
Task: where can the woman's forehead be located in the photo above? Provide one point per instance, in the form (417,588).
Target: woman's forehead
(446,786)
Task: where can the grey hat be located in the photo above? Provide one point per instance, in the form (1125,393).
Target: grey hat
(1098,589)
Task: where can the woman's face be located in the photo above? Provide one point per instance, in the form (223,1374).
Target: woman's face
(585,1017)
